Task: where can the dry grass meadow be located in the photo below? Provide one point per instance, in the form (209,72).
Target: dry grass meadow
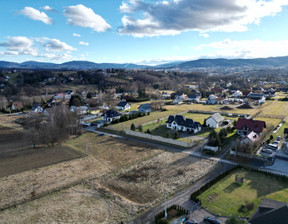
(84,190)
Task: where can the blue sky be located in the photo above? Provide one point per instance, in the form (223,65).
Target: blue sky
(142,31)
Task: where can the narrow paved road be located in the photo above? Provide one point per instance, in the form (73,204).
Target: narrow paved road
(181,198)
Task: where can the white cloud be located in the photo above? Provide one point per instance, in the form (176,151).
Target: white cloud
(76,35)
(19,45)
(36,15)
(48,8)
(149,18)
(55,45)
(79,15)
(245,48)
(205,35)
(58,57)
(84,43)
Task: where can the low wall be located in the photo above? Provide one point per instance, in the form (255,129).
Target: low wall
(214,149)
(160,139)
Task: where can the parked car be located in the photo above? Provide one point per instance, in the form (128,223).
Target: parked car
(268,151)
(210,220)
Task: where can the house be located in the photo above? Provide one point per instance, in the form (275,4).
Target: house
(214,121)
(177,100)
(237,94)
(123,105)
(269,92)
(246,126)
(94,110)
(17,106)
(250,138)
(36,108)
(256,96)
(218,90)
(165,95)
(212,99)
(144,108)
(111,115)
(270,212)
(194,97)
(181,123)
(79,110)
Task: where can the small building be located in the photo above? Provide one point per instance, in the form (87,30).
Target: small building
(145,108)
(237,94)
(123,105)
(111,115)
(214,121)
(79,110)
(181,123)
(246,126)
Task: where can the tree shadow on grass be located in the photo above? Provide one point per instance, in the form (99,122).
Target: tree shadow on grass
(231,187)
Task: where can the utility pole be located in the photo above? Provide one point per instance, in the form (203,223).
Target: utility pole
(165,206)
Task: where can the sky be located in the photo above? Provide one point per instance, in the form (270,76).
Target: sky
(141,31)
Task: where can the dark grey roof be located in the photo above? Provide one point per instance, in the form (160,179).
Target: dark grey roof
(111,113)
(183,121)
(270,212)
(145,106)
(193,96)
(122,104)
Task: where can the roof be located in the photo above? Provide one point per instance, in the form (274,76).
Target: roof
(217,117)
(270,212)
(18,105)
(255,95)
(145,106)
(122,104)
(252,136)
(183,121)
(193,96)
(111,113)
(252,125)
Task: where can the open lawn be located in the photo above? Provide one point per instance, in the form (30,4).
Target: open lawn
(226,197)
(277,109)
(140,121)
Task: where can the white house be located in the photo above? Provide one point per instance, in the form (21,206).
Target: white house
(123,105)
(178,100)
(237,94)
(181,123)
(214,121)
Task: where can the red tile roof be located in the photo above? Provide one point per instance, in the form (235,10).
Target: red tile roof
(253,125)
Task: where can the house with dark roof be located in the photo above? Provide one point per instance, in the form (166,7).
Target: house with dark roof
(256,96)
(194,97)
(214,121)
(145,108)
(111,115)
(246,126)
(123,105)
(181,123)
(270,212)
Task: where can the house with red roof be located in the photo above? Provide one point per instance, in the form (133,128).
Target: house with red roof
(246,126)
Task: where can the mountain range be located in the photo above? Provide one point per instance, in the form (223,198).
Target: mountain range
(186,65)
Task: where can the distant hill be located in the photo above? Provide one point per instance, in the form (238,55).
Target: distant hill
(188,65)
(71,65)
(230,63)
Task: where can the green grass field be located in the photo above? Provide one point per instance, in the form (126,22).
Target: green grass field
(226,197)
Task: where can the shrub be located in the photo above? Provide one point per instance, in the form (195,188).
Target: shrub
(175,135)
(132,127)
(140,128)
(148,131)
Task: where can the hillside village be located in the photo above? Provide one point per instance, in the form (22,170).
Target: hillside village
(235,121)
